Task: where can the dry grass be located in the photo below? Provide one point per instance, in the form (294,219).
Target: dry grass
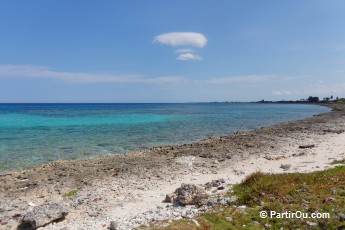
(322,191)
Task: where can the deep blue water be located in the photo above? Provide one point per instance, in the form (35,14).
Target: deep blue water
(32,134)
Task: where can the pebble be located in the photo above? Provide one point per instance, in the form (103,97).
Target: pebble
(311,223)
(285,166)
(228,218)
(113,225)
(170,197)
(341,216)
(196,222)
(92,214)
(31,204)
(3,222)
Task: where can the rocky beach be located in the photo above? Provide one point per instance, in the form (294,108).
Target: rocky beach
(169,182)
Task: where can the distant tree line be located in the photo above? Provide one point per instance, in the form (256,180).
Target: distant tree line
(310,99)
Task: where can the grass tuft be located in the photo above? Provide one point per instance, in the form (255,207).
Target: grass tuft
(70,193)
(316,192)
(338,161)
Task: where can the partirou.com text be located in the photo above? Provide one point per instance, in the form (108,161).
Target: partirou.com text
(293,215)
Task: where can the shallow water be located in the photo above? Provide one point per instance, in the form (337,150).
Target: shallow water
(32,134)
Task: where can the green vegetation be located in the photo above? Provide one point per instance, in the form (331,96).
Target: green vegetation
(316,192)
(338,161)
(70,193)
(312,99)
(340,101)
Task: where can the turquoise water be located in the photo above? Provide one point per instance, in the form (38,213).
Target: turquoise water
(32,134)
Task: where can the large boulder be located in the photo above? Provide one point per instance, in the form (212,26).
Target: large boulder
(44,214)
(191,194)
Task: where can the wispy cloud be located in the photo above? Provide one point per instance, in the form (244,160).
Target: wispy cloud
(281,92)
(31,71)
(326,89)
(310,87)
(182,39)
(182,51)
(250,79)
(189,56)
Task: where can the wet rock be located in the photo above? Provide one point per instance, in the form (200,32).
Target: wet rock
(44,214)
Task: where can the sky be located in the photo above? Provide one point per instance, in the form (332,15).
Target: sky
(170,51)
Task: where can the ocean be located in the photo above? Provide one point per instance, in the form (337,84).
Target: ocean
(33,134)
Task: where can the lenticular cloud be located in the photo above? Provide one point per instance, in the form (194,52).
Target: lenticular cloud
(189,56)
(182,39)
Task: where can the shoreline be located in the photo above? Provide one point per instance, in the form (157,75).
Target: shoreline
(186,142)
(134,183)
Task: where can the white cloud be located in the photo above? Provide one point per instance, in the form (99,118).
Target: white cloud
(250,79)
(182,39)
(281,92)
(322,88)
(182,51)
(189,56)
(31,71)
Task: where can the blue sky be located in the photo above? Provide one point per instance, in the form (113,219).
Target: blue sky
(170,51)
